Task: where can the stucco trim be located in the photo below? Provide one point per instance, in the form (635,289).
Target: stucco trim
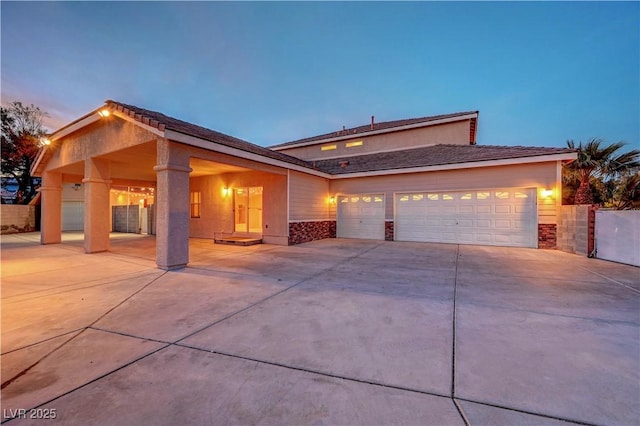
(172,167)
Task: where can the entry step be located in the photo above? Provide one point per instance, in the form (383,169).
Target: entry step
(238,241)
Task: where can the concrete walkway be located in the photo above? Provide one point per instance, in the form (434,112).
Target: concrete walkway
(335,332)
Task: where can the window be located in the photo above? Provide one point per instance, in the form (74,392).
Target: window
(328,147)
(447,197)
(483,195)
(432,197)
(466,196)
(503,195)
(417,197)
(352,144)
(196,198)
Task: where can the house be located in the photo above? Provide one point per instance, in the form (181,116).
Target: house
(422,179)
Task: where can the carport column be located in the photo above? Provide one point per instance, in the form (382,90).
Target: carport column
(96,205)
(172,207)
(51,204)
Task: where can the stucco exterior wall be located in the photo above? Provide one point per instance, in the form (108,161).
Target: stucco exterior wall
(537,175)
(448,133)
(216,217)
(97,139)
(308,198)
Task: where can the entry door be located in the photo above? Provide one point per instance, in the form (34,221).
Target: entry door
(248,210)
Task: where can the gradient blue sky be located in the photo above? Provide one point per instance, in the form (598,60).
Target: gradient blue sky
(539,73)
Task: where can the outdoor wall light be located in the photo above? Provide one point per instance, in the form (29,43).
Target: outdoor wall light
(45,141)
(225,191)
(332,199)
(546,193)
(104,112)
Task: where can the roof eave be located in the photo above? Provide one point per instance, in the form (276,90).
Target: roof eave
(224,149)
(469,165)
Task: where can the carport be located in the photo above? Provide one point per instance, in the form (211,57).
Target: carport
(193,171)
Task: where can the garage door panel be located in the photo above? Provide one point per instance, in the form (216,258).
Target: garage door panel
(483,223)
(492,217)
(465,209)
(361,216)
(502,224)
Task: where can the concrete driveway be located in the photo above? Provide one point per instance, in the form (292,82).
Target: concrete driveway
(335,332)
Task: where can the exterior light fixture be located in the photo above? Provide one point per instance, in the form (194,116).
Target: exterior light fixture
(332,199)
(546,193)
(225,191)
(104,112)
(44,142)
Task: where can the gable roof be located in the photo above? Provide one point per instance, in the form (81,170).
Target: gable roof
(383,127)
(435,155)
(164,122)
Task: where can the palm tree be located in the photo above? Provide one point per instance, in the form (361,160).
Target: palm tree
(597,160)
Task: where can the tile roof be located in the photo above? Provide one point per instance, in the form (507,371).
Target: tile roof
(163,122)
(408,158)
(386,125)
(431,156)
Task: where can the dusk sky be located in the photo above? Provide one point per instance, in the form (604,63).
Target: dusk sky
(539,73)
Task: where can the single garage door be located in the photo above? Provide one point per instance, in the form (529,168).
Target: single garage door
(72,216)
(499,217)
(361,216)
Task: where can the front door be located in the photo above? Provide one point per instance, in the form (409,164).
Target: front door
(248,210)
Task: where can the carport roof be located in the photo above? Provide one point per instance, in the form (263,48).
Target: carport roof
(164,122)
(435,155)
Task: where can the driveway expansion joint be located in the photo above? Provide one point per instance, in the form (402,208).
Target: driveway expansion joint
(531,413)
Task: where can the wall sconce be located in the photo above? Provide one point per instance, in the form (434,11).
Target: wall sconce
(44,142)
(332,199)
(225,191)
(104,112)
(547,193)
(77,186)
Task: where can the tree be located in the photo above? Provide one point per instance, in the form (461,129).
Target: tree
(598,165)
(22,133)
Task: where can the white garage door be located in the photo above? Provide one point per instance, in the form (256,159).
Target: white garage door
(72,216)
(498,217)
(361,216)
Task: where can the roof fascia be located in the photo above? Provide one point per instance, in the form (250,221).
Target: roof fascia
(223,149)
(132,120)
(378,132)
(470,165)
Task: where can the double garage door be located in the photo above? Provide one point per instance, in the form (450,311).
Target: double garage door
(501,217)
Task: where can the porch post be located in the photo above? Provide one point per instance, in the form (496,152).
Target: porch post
(172,207)
(96,205)
(51,199)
